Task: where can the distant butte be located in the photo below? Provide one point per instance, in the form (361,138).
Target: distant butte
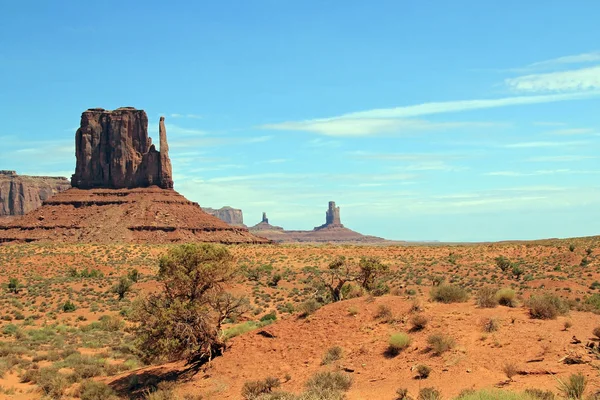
(264,226)
(123,192)
(114,151)
(332,231)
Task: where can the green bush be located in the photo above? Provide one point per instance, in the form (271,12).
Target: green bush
(397,343)
(447,293)
(547,306)
(68,306)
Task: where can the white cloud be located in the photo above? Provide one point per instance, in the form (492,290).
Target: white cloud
(585,79)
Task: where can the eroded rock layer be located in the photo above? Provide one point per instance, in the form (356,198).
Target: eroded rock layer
(20,194)
(142,215)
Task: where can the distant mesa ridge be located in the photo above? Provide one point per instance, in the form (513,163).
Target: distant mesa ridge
(20,194)
(232,216)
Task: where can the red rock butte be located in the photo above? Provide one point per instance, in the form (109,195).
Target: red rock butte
(122,193)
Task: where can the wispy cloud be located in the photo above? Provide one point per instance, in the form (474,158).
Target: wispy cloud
(566,158)
(398,119)
(572,59)
(192,116)
(524,145)
(542,172)
(585,79)
(366,126)
(573,131)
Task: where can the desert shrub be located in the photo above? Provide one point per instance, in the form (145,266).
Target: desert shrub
(133,275)
(596,332)
(503,263)
(486,297)
(429,393)
(253,389)
(308,307)
(370,269)
(402,394)
(506,297)
(571,248)
(92,390)
(397,343)
(423,371)
(593,301)
(494,395)
(447,293)
(353,310)
(14,285)
(122,287)
(111,323)
(539,394)
(490,325)
(183,320)
(419,322)
(332,354)
(329,381)
(52,383)
(440,343)
(574,387)
(270,317)
(510,370)
(547,306)
(68,306)
(384,313)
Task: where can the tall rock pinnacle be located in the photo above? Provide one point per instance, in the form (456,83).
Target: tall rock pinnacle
(114,151)
(166,171)
(332,217)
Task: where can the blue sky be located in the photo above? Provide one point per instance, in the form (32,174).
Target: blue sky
(456,121)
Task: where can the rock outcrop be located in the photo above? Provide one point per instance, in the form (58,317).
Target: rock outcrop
(114,151)
(332,217)
(20,194)
(265,226)
(232,216)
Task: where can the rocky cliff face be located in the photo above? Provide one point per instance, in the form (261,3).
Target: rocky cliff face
(20,194)
(114,151)
(232,216)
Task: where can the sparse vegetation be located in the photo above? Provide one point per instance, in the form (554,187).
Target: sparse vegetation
(547,306)
(397,343)
(332,354)
(440,343)
(184,319)
(447,293)
(574,387)
(486,297)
